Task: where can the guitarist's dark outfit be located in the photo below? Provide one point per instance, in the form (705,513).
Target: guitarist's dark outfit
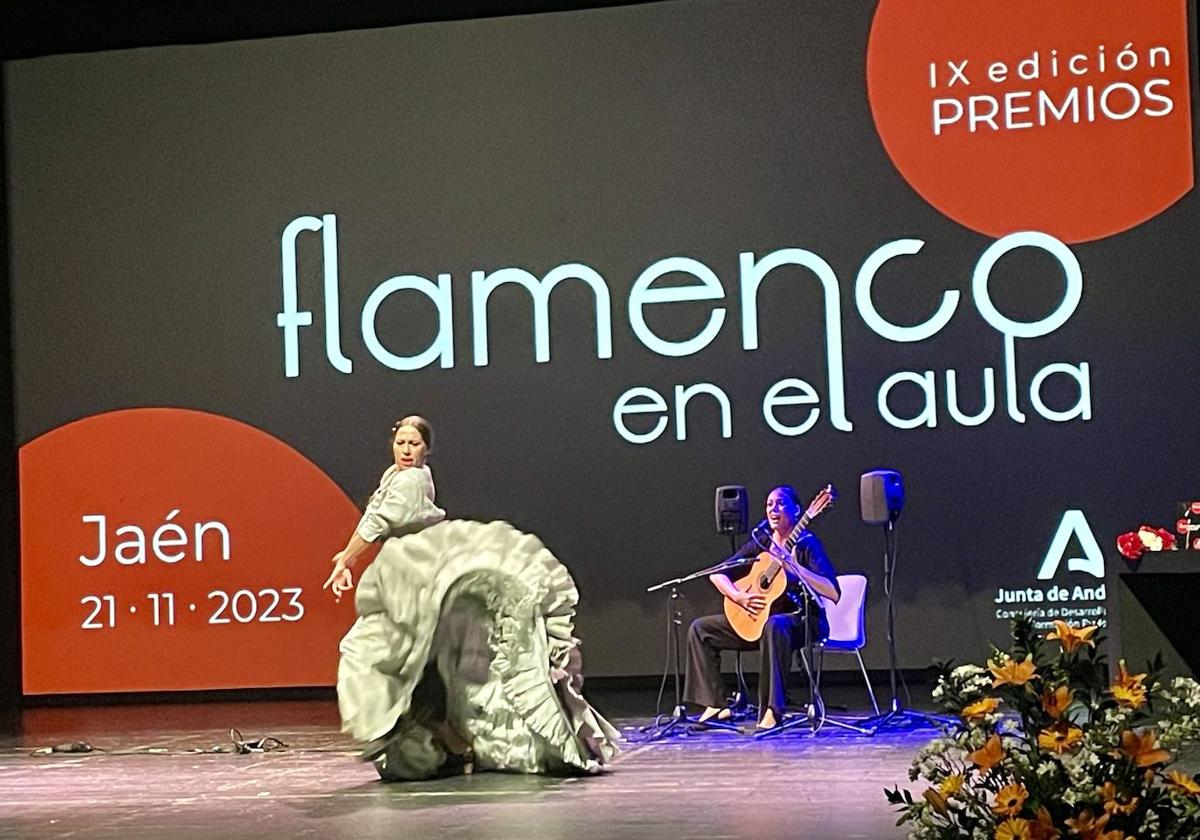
(782,635)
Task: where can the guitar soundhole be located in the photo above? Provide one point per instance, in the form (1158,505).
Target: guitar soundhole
(764,582)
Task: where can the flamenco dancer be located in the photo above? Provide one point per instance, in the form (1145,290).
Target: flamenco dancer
(463,655)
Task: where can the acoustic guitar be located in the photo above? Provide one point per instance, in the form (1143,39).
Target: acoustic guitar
(768,575)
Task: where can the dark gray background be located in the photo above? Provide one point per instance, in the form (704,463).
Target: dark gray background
(148,190)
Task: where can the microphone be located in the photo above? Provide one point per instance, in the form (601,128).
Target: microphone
(760,534)
(760,538)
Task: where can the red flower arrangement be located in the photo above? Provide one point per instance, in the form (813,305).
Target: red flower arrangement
(1146,538)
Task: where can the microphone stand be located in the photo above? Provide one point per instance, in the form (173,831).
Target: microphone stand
(679,719)
(814,714)
(740,706)
(897,717)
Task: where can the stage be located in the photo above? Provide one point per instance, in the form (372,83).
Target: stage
(155,779)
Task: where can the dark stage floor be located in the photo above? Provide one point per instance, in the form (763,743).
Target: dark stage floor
(148,784)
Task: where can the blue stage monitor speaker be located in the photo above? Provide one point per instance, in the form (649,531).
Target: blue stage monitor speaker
(881,496)
(732,510)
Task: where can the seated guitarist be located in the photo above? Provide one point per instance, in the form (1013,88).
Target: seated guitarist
(808,567)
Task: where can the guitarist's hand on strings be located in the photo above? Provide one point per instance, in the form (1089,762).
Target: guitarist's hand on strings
(751,603)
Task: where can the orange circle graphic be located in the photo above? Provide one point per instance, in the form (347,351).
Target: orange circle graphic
(169,549)
(1072,118)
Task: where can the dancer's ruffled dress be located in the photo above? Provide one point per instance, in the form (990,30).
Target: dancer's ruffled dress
(471,620)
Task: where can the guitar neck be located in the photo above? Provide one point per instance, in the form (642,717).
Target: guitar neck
(794,536)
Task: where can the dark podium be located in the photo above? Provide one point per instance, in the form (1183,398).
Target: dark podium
(1153,608)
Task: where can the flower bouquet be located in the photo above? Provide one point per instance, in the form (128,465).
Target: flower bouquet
(1134,544)
(1049,747)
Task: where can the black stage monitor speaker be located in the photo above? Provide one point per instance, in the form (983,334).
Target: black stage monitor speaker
(881,495)
(732,511)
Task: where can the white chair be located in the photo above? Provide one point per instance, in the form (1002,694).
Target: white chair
(847,621)
(847,634)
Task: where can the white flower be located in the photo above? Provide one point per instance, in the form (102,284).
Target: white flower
(1118,717)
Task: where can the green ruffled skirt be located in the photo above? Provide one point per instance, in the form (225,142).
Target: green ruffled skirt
(486,612)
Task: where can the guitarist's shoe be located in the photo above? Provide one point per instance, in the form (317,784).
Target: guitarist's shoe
(714,719)
(713,713)
(767,721)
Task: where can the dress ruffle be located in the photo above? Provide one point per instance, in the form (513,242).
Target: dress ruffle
(492,609)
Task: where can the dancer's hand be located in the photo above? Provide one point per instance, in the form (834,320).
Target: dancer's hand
(341,579)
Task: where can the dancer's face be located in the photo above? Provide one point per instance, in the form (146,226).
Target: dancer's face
(782,512)
(408,448)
